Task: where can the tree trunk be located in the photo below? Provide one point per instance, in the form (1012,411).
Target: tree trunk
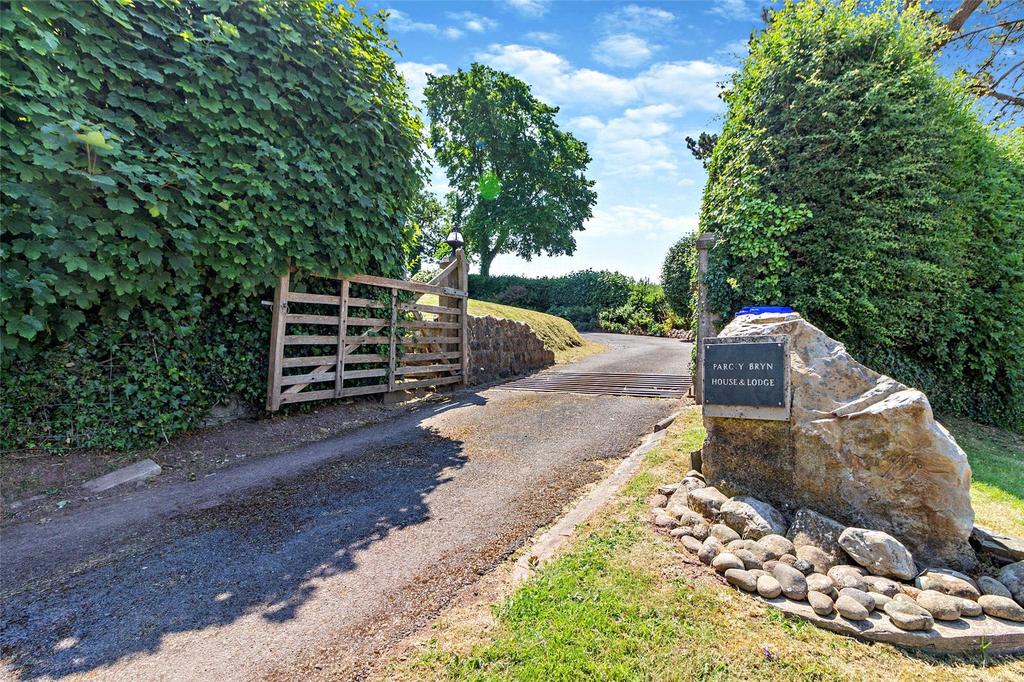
(485,264)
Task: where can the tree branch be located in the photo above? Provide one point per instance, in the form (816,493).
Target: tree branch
(961,16)
(960,36)
(1009,99)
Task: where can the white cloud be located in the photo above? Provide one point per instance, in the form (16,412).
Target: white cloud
(530,8)
(688,84)
(623,49)
(400,22)
(637,19)
(542,37)
(738,10)
(473,22)
(415,75)
(642,142)
(452,33)
(639,221)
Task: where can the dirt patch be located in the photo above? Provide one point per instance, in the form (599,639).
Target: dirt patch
(39,486)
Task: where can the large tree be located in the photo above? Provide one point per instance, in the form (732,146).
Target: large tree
(984,37)
(486,123)
(431,220)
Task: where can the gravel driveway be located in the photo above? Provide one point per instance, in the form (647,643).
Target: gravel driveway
(324,555)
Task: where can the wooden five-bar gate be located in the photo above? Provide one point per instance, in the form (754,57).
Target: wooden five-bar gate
(382,340)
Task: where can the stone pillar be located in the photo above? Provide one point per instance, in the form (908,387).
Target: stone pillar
(705,319)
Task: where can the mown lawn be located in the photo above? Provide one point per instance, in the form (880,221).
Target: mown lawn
(624,603)
(557,334)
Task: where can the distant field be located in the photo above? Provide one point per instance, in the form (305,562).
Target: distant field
(558,334)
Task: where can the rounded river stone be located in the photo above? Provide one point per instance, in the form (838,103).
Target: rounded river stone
(741,579)
(768,587)
(794,584)
(692,544)
(859,596)
(941,606)
(908,615)
(1001,607)
(851,609)
(989,585)
(726,560)
(821,603)
(724,533)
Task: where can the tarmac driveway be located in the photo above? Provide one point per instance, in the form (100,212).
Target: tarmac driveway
(320,557)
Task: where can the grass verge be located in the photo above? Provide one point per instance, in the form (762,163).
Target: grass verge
(625,603)
(557,334)
(997,474)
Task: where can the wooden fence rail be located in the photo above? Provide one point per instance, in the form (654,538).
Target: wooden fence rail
(384,340)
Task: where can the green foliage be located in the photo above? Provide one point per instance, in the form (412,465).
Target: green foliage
(160,161)
(853,182)
(152,150)
(676,276)
(431,222)
(702,147)
(518,180)
(124,383)
(646,311)
(590,299)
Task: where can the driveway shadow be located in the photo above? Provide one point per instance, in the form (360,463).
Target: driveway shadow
(257,553)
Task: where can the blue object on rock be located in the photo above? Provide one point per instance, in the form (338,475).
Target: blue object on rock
(758,309)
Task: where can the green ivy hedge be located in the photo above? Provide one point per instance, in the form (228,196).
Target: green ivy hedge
(161,159)
(855,183)
(136,382)
(157,148)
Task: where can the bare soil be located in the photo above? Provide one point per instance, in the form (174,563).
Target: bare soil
(35,486)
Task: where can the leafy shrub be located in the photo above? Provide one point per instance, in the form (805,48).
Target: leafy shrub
(676,276)
(517,295)
(583,297)
(645,312)
(123,383)
(155,149)
(853,182)
(160,161)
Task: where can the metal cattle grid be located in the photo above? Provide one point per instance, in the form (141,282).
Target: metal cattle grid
(601,383)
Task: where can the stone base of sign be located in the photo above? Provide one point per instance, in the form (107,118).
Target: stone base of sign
(730,538)
(859,447)
(962,635)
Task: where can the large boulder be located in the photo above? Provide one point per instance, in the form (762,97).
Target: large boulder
(859,447)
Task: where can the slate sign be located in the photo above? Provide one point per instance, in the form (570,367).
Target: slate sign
(750,373)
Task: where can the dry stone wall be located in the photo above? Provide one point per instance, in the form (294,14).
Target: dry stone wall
(503,348)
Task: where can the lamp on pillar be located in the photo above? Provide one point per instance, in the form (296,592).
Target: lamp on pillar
(455,240)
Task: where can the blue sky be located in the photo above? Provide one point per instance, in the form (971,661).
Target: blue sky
(632,79)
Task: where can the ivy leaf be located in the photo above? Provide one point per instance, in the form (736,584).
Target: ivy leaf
(122,204)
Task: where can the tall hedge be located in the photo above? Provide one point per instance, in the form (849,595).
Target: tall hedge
(160,160)
(156,148)
(855,183)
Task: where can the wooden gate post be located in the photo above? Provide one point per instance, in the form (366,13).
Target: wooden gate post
(277,327)
(462,283)
(705,320)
